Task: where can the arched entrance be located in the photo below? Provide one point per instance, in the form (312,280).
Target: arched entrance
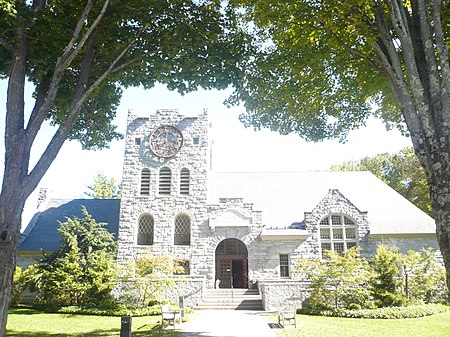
(231,264)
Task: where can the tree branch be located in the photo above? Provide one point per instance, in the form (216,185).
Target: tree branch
(70,53)
(67,125)
(392,66)
(412,72)
(432,89)
(9,47)
(442,51)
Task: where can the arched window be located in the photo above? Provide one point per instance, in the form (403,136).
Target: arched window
(184,181)
(182,235)
(337,233)
(145,230)
(165,180)
(145,181)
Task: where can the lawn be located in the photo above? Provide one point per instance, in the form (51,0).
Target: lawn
(29,322)
(317,326)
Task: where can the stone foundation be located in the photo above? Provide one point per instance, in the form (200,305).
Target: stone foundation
(281,294)
(190,287)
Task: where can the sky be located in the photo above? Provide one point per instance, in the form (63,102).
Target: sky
(235,148)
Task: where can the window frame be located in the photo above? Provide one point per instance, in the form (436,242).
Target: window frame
(182,238)
(148,234)
(285,270)
(337,225)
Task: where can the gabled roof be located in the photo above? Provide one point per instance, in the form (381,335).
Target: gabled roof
(42,233)
(284,197)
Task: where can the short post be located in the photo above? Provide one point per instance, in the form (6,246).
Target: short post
(125,326)
(181,305)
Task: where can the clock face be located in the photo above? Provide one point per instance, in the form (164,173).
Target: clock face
(166,141)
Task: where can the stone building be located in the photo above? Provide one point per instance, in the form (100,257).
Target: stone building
(247,227)
(242,229)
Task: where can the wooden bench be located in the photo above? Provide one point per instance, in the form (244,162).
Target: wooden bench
(287,315)
(168,315)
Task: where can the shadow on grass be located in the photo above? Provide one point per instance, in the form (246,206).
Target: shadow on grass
(144,330)
(95,333)
(23,311)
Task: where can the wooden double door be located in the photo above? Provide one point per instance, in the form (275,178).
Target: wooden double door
(231,269)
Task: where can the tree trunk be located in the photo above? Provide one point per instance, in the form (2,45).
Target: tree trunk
(440,199)
(9,237)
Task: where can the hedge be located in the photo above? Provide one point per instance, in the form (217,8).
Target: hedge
(380,313)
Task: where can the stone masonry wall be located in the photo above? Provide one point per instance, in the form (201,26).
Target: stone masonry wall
(190,287)
(163,208)
(282,295)
(333,202)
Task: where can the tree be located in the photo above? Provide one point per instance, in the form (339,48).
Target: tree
(424,278)
(79,55)
(104,188)
(386,284)
(323,67)
(401,171)
(147,278)
(83,271)
(339,281)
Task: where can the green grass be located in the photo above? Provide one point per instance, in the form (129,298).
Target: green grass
(318,326)
(23,322)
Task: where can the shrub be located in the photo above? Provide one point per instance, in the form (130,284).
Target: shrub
(338,281)
(379,313)
(354,306)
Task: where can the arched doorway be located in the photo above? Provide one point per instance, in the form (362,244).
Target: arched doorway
(231,264)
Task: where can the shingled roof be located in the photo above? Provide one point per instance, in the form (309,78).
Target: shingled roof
(42,234)
(284,197)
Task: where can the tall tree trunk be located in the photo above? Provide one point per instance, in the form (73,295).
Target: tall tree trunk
(440,199)
(10,222)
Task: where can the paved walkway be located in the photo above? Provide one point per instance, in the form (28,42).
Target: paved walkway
(228,323)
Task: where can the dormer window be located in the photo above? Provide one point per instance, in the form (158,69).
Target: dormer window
(338,233)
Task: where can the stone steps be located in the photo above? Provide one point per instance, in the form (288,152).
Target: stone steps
(231,299)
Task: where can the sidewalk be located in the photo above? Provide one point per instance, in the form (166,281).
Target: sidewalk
(228,323)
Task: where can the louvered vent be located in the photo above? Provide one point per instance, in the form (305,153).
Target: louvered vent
(145,181)
(165,179)
(184,181)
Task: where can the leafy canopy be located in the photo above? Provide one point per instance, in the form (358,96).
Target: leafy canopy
(401,171)
(184,44)
(104,188)
(303,78)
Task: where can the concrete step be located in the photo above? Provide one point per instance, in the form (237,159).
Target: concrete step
(231,299)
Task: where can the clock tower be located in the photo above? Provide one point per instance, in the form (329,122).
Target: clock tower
(164,181)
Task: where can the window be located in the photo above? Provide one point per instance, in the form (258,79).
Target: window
(165,180)
(337,233)
(284,265)
(184,181)
(182,267)
(137,141)
(196,140)
(145,230)
(182,235)
(145,181)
